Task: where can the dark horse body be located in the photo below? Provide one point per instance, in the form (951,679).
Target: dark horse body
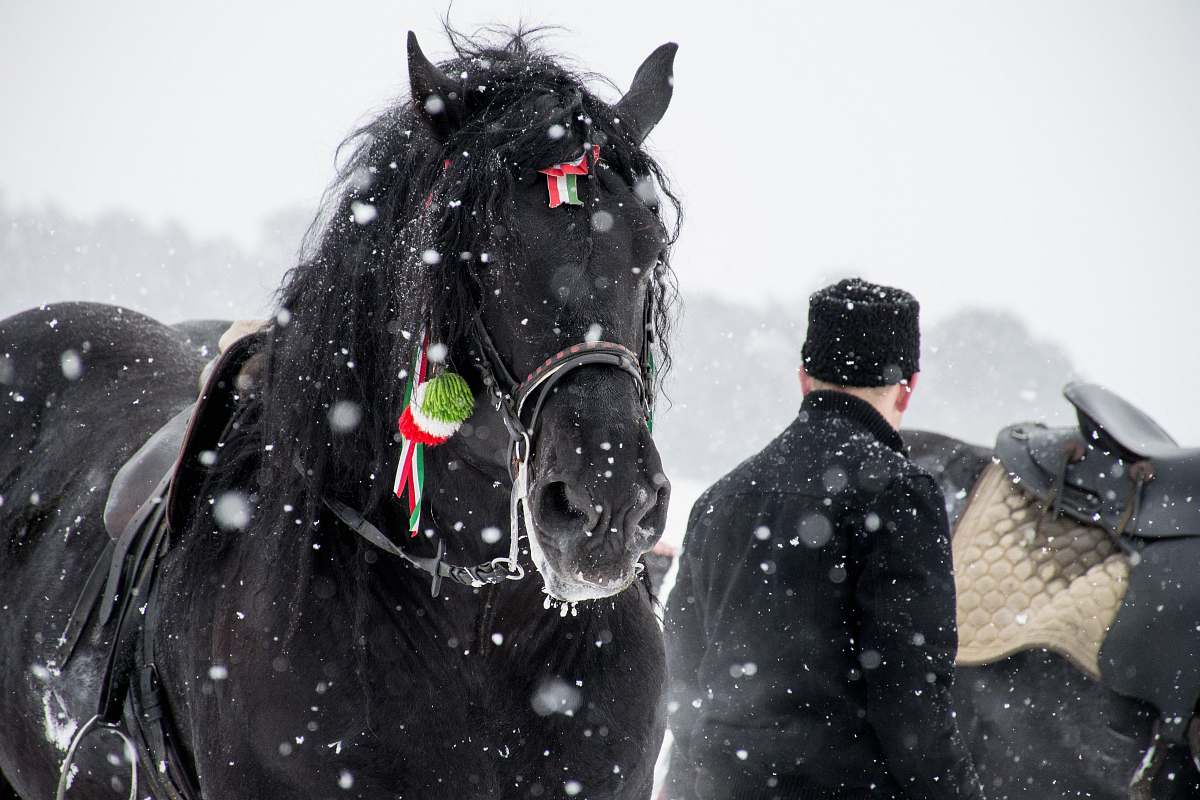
(297,660)
(1038,727)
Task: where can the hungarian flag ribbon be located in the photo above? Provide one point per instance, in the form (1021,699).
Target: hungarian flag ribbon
(410,473)
(560,179)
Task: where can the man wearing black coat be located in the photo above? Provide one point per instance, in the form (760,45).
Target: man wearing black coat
(811,632)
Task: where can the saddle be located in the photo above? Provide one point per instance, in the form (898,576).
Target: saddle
(1118,469)
(1084,541)
(149,500)
(186,445)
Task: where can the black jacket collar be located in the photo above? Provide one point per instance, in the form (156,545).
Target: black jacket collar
(857,411)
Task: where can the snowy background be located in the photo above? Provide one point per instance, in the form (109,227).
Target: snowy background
(1030,170)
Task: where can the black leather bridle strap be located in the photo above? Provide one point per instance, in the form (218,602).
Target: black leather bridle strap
(497,570)
(511,400)
(541,382)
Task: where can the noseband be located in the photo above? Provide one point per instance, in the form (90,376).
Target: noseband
(518,402)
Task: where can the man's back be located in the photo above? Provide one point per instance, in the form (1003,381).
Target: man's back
(811,631)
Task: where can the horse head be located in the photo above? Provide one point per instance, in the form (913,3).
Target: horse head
(597,495)
(442,222)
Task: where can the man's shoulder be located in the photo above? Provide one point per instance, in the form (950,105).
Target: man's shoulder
(772,470)
(818,454)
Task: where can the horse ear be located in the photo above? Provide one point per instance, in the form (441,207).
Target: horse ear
(433,92)
(648,97)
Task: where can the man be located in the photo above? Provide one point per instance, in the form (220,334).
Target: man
(811,631)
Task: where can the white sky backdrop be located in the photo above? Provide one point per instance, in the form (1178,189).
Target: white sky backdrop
(1037,156)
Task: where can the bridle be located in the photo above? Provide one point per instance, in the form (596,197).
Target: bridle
(519,405)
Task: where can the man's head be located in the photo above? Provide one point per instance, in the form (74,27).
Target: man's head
(865,340)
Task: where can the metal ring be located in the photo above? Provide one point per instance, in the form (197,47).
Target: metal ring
(515,571)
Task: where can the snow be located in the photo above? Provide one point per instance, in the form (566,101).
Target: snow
(815,530)
(345,416)
(602,221)
(59,726)
(72,365)
(232,511)
(555,696)
(363,213)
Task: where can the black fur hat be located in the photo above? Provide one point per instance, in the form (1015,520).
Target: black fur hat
(861,334)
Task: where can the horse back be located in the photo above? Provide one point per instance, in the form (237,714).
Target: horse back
(81,387)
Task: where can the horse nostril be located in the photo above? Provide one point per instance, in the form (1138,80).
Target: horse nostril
(649,516)
(557,510)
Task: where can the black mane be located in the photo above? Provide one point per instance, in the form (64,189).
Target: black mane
(349,313)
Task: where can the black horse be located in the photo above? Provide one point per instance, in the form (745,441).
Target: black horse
(1040,728)
(297,659)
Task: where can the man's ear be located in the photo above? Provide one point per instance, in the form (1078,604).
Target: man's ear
(805,380)
(906,390)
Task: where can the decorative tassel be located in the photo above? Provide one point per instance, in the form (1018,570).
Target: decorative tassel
(437,410)
(434,410)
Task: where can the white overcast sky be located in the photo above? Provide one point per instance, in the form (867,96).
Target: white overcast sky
(1040,156)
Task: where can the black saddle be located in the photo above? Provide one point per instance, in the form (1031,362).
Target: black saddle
(185,446)
(138,477)
(1119,469)
(150,499)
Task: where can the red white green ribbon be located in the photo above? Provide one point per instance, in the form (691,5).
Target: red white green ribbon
(561,179)
(410,473)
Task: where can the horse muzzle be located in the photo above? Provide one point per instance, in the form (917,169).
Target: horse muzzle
(589,526)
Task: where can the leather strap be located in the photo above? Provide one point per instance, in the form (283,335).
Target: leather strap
(497,570)
(86,603)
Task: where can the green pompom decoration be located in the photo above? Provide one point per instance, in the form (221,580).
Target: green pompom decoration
(447,398)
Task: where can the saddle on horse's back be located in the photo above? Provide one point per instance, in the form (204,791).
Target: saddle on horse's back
(1086,541)
(1119,470)
(195,428)
(146,503)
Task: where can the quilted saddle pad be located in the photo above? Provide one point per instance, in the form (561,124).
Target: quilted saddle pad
(1022,586)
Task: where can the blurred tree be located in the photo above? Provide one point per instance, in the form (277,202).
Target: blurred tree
(48,256)
(982,370)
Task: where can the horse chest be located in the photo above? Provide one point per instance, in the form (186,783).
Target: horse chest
(497,703)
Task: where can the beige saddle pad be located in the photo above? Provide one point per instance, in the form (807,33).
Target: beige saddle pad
(1022,587)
